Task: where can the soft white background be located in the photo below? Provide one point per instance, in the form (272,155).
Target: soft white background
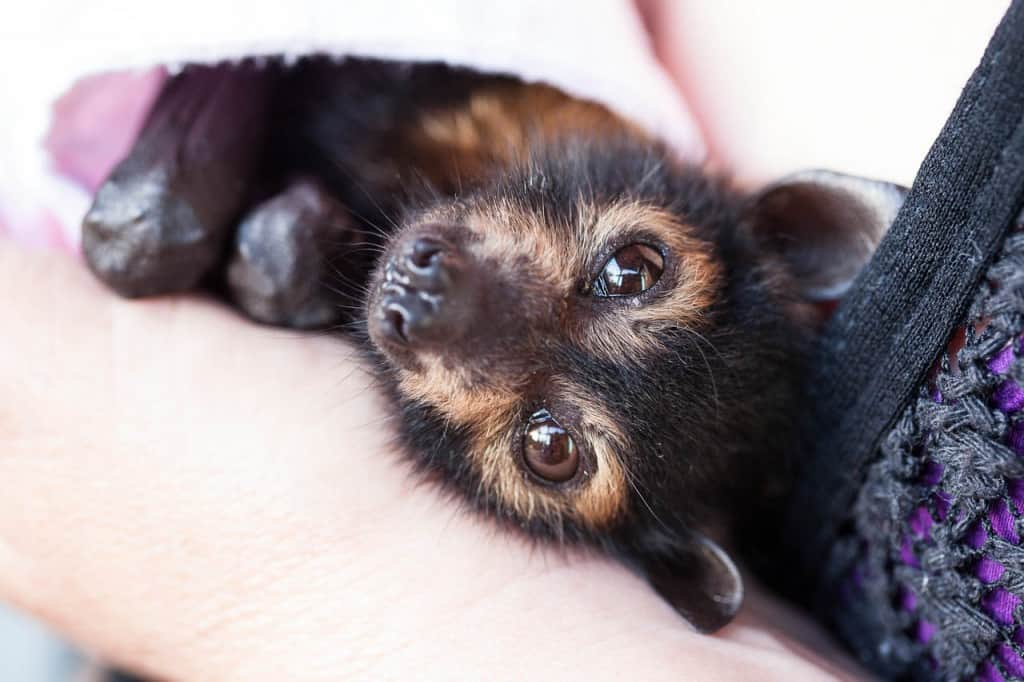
(862,87)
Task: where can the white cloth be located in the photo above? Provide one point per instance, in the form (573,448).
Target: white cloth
(590,48)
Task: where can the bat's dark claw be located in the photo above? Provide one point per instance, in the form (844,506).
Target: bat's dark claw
(162,219)
(142,239)
(280,269)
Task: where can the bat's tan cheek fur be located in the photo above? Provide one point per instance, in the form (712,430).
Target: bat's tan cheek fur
(495,416)
(494,413)
(595,500)
(460,401)
(561,261)
(692,279)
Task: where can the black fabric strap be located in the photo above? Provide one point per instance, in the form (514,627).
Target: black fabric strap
(898,316)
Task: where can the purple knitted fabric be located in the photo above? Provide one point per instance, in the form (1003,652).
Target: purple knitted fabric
(929,575)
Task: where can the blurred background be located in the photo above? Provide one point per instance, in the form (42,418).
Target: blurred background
(31,653)
(860,87)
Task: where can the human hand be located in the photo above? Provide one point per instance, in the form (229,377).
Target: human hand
(197,497)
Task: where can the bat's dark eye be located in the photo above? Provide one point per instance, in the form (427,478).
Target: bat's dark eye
(549,449)
(633,269)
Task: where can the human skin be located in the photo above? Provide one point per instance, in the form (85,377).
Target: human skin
(208,499)
(862,87)
(202,498)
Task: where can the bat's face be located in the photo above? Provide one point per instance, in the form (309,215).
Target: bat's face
(578,340)
(600,347)
(544,339)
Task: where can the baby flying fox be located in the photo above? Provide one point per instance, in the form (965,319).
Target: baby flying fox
(582,335)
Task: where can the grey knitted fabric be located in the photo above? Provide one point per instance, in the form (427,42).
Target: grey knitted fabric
(927,580)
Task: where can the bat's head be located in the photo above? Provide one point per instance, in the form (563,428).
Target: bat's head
(601,345)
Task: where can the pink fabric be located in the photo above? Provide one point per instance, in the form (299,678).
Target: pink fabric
(41,229)
(115,103)
(91,129)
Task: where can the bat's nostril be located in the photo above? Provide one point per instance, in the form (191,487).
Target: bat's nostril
(429,264)
(395,323)
(426,253)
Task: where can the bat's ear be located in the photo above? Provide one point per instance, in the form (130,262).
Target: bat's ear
(824,226)
(702,583)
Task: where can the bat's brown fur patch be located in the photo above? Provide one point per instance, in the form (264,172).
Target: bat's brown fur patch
(456,396)
(498,124)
